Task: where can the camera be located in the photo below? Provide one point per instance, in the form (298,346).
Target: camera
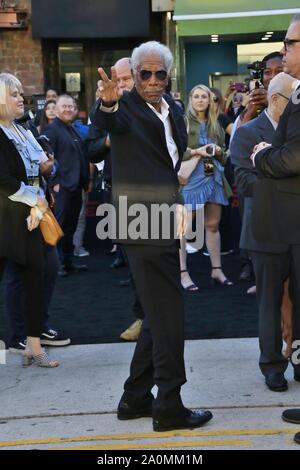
(210,149)
(256,71)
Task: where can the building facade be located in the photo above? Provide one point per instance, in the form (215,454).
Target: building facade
(61,43)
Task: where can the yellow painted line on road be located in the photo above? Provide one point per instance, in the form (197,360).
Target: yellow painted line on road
(150,435)
(162,445)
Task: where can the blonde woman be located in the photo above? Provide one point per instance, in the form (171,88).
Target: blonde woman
(22,203)
(207,185)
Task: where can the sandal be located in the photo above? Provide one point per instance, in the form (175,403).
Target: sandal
(41,360)
(191,287)
(217,282)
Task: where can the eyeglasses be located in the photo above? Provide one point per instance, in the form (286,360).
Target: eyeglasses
(288,42)
(161,75)
(283,96)
(68,106)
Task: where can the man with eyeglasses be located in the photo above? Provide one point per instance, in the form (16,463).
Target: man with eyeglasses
(269,259)
(148,138)
(280,162)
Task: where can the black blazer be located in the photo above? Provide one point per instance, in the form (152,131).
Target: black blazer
(281,163)
(142,168)
(241,147)
(69,151)
(97,151)
(14,235)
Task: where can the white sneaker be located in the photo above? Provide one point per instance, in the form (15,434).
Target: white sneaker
(81,252)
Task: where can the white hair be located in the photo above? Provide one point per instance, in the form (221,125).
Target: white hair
(151,47)
(281,83)
(8,83)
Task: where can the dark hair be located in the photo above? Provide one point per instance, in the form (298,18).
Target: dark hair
(272,55)
(51,88)
(44,121)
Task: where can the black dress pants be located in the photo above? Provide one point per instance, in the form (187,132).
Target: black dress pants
(271,270)
(67,209)
(32,278)
(159,353)
(14,294)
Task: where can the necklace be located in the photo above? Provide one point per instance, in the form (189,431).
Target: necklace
(18,132)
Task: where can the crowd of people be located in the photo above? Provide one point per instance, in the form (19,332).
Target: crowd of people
(142,139)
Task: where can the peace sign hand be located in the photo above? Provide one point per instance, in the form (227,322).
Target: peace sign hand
(108,89)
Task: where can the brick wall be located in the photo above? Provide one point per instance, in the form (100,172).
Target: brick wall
(21,55)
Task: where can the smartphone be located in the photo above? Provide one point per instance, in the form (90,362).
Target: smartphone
(211,149)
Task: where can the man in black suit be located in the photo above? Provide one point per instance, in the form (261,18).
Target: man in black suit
(73,177)
(148,138)
(280,163)
(270,260)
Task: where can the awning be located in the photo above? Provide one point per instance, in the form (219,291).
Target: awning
(201,17)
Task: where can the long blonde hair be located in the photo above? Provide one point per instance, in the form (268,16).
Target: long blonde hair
(210,114)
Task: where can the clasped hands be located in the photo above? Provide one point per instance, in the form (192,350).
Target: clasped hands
(257,148)
(202,151)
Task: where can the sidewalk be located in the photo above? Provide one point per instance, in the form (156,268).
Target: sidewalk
(74,406)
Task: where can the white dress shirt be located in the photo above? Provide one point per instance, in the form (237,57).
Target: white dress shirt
(165,118)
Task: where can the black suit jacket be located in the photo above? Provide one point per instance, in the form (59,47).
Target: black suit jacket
(245,138)
(70,153)
(142,169)
(14,235)
(281,163)
(97,151)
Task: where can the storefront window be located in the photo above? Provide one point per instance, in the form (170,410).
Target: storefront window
(71,71)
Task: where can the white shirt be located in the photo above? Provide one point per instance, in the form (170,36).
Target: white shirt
(165,118)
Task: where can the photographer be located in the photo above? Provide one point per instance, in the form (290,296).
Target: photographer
(258,98)
(269,67)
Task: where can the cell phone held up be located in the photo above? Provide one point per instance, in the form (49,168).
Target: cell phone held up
(208,160)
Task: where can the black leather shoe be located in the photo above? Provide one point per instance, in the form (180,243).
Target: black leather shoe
(127,411)
(246,273)
(191,419)
(291,416)
(297,437)
(118,263)
(276,382)
(297,376)
(76,268)
(124,283)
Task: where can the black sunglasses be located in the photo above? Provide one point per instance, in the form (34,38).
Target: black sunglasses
(160,75)
(288,42)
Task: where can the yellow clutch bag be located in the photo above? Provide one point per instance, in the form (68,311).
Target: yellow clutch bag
(50,228)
